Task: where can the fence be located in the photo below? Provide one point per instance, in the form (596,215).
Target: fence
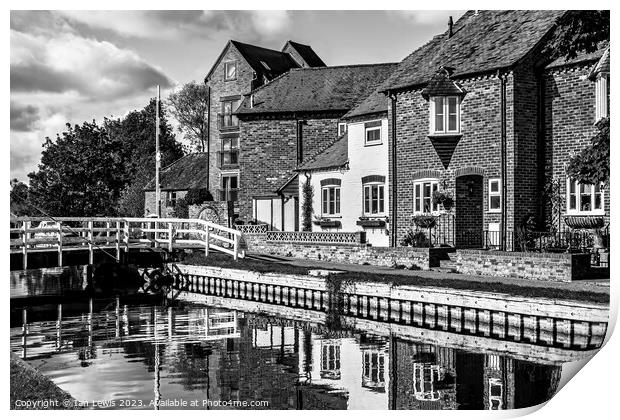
(318,237)
(78,233)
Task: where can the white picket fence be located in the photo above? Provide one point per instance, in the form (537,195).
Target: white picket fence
(39,234)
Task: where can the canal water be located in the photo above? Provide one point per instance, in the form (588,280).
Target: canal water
(218,356)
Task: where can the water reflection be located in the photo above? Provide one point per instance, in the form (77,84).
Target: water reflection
(155,354)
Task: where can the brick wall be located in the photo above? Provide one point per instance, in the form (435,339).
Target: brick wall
(569,122)
(221,88)
(525,265)
(268,153)
(150,203)
(417,258)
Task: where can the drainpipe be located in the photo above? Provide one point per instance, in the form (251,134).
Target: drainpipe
(394,218)
(504,218)
(208,145)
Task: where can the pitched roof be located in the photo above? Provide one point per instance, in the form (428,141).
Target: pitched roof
(186,173)
(442,85)
(264,61)
(337,88)
(580,58)
(307,53)
(602,66)
(374,103)
(481,42)
(334,156)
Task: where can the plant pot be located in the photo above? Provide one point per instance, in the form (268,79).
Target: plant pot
(329,223)
(371,223)
(585,222)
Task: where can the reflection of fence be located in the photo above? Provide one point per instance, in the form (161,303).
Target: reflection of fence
(83,233)
(318,237)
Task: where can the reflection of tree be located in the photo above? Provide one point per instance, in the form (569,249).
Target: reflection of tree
(192,362)
(48,281)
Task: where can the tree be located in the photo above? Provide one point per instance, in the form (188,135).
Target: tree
(190,106)
(591,165)
(79,173)
(136,134)
(20,200)
(579,31)
(306,207)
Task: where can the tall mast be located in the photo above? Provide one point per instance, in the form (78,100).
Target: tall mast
(157,159)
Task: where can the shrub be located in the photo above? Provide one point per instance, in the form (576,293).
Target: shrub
(424,221)
(306,208)
(416,239)
(198,196)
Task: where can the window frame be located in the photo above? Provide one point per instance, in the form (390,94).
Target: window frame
(234,120)
(380,199)
(226,64)
(343,131)
(578,194)
(602,92)
(434,185)
(337,200)
(171,198)
(372,142)
(491,194)
(445,116)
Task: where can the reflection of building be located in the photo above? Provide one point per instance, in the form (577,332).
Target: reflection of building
(373,369)
(330,359)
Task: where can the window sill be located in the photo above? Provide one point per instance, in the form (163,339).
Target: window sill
(230,128)
(372,144)
(586,213)
(455,136)
(494,211)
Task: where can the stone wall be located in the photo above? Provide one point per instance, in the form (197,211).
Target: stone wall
(526,265)
(416,258)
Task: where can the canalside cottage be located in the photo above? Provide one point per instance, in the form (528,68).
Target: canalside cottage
(350,178)
(239,69)
(286,123)
(466,123)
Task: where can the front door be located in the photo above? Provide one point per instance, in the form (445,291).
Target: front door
(469,211)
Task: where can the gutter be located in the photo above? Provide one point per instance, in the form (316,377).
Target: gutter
(208,136)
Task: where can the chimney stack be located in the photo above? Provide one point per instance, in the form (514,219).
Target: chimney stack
(450,24)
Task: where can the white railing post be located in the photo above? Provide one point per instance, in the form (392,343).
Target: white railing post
(90,243)
(126,239)
(59,244)
(236,247)
(25,227)
(170,235)
(107,232)
(118,240)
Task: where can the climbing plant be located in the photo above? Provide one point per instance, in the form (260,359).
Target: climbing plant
(306,208)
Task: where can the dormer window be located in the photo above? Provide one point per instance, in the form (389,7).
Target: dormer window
(372,133)
(445,115)
(230,70)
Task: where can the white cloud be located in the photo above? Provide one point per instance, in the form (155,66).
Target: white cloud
(428,17)
(270,22)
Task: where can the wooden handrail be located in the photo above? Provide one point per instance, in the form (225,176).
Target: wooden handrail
(121,232)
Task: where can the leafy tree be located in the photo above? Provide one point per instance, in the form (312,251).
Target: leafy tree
(189,106)
(591,165)
(579,31)
(79,173)
(20,200)
(307,192)
(136,134)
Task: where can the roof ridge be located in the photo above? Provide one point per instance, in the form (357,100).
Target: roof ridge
(346,66)
(256,46)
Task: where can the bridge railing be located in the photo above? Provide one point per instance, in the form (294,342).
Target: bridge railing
(36,234)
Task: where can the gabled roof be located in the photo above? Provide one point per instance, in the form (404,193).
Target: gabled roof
(482,41)
(186,173)
(442,85)
(582,57)
(602,66)
(334,156)
(374,103)
(316,89)
(307,54)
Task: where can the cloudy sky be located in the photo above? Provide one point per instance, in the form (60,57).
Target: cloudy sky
(83,65)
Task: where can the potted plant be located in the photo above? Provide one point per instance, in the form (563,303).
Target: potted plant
(443,197)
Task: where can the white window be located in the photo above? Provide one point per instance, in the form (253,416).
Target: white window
(372,133)
(445,115)
(230,70)
(331,200)
(495,196)
(374,199)
(602,96)
(423,196)
(342,129)
(171,199)
(584,198)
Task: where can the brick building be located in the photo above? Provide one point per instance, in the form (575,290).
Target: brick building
(466,116)
(239,69)
(285,123)
(176,179)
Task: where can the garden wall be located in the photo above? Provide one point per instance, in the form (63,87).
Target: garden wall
(415,258)
(526,265)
